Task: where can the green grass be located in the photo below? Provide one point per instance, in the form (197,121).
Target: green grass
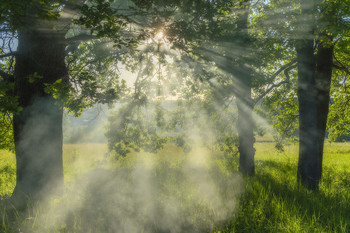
(7,173)
(271,201)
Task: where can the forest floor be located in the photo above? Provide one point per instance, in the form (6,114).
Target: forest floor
(177,192)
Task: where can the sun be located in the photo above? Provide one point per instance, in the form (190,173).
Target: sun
(159,36)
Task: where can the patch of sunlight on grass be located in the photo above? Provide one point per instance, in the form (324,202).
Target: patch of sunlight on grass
(7,173)
(267,151)
(337,155)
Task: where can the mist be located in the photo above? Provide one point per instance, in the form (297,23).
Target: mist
(185,183)
(167,192)
(173,189)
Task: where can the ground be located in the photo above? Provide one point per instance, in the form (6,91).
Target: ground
(153,192)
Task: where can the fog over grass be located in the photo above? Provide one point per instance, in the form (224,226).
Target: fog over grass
(165,192)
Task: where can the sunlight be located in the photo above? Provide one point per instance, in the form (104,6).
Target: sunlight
(159,36)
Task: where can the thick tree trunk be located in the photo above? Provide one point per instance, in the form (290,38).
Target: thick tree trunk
(245,126)
(324,63)
(314,80)
(38,127)
(245,122)
(309,161)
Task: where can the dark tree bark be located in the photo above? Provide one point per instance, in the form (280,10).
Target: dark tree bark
(38,127)
(314,80)
(324,63)
(309,162)
(245,123)
(245,127)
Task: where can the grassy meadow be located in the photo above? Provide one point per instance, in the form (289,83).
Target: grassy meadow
(177,192)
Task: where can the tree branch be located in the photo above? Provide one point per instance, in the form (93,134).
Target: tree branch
(342,68)
(291,63)
(81,37)
(286,68)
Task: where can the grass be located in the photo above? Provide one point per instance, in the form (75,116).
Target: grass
(80,158)
(7,173)
(271,201)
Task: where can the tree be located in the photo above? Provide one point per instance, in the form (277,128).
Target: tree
(245,123)
(42,81)
(138,123)
(338,120)
(315,64)
(169,103)
(212,24)
(312,30)
(37,127)
(231,47)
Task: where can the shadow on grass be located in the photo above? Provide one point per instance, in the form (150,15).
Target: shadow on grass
(274,202)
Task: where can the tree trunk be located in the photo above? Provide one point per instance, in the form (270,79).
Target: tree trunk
(314,80)
(309,161)
(245,126)
(324,63)
(245,122)
(38,127)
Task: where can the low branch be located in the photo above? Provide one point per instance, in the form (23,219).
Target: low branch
(79,38)
(280,70)
(286,68)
